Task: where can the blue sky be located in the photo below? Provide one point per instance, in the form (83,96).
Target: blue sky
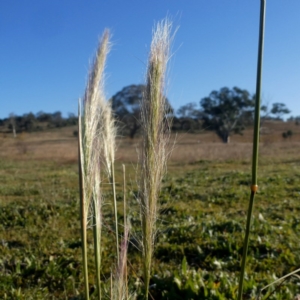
(46,47)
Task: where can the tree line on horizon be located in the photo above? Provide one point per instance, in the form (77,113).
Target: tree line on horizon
(30,122)
(226,112)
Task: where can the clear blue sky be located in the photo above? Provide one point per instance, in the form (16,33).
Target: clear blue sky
(46,47)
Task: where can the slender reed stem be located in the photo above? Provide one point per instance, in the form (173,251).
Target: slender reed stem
(124,194)
(255,145)
(113,185)
(83,212)
(97,244)
(111,286)
(120,291)
(280,279)
(125,226)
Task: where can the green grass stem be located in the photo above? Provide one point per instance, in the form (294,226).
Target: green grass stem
(125,225)
(255,145)
(97,244)
(113,185)
(281,279)
(83,212)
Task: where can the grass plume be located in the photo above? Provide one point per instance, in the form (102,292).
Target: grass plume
(89,159)
(108,133)
(155,138)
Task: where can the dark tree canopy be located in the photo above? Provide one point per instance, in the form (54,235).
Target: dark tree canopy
(188,110)
(30,122)
(227,111)
(279,110)
(126,106)
(127,101)
(188,118)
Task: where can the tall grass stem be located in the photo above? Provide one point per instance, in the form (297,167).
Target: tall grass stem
(83,212)
(255,145)
(113,185)
(125,226)
(97,222)
(280,279)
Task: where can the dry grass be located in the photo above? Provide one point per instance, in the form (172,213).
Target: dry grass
(60,145)
(192,152)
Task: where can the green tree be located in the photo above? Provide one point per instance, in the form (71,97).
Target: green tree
(227,111)
(279,110)
(28,122)
(57,119)
(188,117)
(72,119)
(189,110)
(126,106)
(43,117)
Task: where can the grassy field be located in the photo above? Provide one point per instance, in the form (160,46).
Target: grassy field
(201,226)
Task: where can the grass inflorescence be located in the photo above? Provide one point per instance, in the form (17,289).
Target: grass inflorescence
(155,137)
(95,136)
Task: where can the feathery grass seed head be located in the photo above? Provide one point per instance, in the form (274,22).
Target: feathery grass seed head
(89,116)
(155,139)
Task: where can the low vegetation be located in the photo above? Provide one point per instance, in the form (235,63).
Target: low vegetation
(200,230)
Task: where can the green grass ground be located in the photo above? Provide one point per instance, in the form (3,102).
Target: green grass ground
(199,242)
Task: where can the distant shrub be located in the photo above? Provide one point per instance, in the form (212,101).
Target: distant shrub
(287,134)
